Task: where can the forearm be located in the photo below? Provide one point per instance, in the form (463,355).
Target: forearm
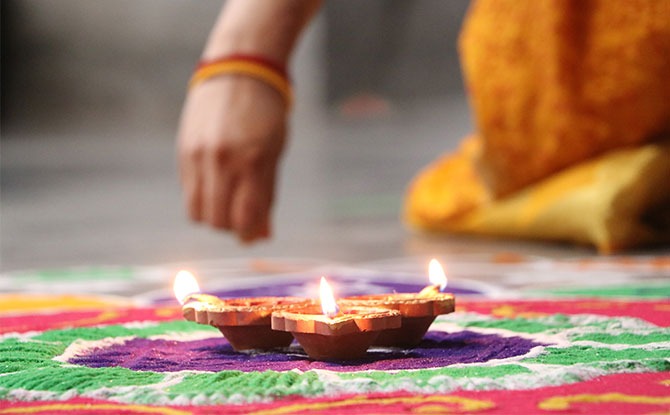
(268,28)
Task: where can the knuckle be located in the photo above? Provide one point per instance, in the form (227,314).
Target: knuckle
(193,153)
(222,152)
(255,157)
(217,151)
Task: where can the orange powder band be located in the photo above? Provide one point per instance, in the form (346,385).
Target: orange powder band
(241,66)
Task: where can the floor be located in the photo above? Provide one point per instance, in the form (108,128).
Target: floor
(113,197)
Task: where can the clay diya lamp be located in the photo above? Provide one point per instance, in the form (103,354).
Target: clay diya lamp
(326,332)
(418,310)
(418,313)
(244,322)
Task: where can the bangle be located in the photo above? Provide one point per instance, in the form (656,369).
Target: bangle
(257,67)
(281,69)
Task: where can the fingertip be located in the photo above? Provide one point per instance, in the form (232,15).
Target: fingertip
(194,206)
(265,229)
(246,240)
(255,232)
(217,193)
(219,225)
(247,235)
(195,216)
(245,219)
(251,209)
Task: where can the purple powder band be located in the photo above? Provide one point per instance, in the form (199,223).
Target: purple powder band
(438,349)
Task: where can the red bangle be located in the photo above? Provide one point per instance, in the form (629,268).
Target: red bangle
(256,67)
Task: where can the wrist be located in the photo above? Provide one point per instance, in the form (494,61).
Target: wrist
(231,42)
(259,67)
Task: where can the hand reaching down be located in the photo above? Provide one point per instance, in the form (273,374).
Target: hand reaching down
(231,136)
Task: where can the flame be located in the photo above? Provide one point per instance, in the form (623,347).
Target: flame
(184,285)
(328,304)
(436,274)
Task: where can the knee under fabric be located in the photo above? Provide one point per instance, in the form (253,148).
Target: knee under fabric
(615,202)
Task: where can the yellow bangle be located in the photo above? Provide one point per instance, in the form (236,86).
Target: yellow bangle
(262,72)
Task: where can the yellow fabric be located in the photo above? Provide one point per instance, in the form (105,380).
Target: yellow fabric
(566,95)
(615,202)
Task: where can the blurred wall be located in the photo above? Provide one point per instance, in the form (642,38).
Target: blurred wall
(399,49)
(82,64)
(69,63)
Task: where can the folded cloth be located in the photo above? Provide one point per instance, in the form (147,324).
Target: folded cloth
(617,201)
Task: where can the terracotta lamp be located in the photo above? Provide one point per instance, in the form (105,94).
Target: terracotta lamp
(244,322)
(418,310)
(327,332)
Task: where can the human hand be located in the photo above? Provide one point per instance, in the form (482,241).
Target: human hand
(231,135)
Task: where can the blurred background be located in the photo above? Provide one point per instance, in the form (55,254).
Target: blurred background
(91,95)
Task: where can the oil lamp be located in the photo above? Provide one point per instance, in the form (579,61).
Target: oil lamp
(244,322)
(418,310)
(328,332)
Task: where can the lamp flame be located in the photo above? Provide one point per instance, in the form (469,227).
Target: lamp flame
(328,304)
(436,274)
(184,285)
